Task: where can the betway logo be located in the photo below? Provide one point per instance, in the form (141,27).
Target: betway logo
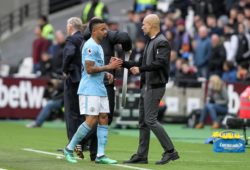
(22,96)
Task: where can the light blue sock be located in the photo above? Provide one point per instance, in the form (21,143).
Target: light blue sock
(81,132)
(102,137)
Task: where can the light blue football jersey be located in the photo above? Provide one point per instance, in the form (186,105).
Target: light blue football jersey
(92,84)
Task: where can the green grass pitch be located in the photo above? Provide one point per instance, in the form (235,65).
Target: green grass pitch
(195,155)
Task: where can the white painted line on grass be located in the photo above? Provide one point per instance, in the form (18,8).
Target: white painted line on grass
(42,152)
(2,169)
(61,155)
(129,167)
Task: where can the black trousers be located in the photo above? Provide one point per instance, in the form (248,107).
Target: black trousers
(111,96)
(73,118)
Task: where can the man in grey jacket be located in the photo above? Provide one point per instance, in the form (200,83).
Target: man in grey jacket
(153,68)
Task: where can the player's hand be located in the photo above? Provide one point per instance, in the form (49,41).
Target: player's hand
(115,64)
(110,77)
(134,70)
(112,59)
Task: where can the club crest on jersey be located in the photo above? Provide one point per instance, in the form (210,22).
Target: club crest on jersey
(89,50)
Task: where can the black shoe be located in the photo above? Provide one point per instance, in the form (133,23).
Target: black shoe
(78,150)
(135,159)
(166,157)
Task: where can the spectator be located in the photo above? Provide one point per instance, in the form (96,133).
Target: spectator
(172,40)
(187,76)
(40,45)
(135,56)
(142,5)
(242,72)
(230,43)
(173,59)
(202,52)
(46,27)
(55,103)
(57,52)
(229,72)
(217,100)
(218,56)
(182,39)
(132,25)
(242,54)
(212,26)
(46,65)
(95,8)
(233,18)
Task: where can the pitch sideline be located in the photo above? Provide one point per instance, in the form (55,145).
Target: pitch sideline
(61,156)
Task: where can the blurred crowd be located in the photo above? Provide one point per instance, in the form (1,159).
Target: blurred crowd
(207,37)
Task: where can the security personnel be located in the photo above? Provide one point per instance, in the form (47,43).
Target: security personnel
(153,68)
(95,9)
(142,5)
(108,45)
(47,28)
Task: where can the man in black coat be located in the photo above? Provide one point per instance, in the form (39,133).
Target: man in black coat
(153,68)
(108,44)
(218,56)
(72,72)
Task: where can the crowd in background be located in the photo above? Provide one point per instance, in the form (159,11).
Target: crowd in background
(207,37)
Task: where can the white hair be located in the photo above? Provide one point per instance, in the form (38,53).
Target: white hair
(76,23)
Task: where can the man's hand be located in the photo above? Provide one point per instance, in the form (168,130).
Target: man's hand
(112,59)
(115,63)
(134,70)
(110,78)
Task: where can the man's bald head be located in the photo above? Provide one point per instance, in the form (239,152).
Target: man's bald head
(151,25)
(153,19)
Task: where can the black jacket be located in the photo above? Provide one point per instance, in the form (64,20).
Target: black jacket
(217,58)
(109,42)
(72,57)
(154,65)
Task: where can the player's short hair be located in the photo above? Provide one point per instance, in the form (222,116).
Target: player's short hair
(93,22)
(76,23)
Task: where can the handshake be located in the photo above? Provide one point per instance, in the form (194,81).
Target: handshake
(116,63)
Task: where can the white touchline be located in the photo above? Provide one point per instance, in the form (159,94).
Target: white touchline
(129,167)
(2,169)
(61,155)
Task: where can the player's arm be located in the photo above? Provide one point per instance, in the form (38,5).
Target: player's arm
(91,68)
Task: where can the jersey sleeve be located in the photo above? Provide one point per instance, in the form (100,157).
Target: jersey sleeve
(90,52)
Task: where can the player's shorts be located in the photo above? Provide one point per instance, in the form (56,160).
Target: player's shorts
(93,105)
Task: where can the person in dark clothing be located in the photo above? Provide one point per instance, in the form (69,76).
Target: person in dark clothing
(72,72)
(108,45)
(186,77)
(153,68)
(46,65)
(57,52)
(218,56)
(242,54)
